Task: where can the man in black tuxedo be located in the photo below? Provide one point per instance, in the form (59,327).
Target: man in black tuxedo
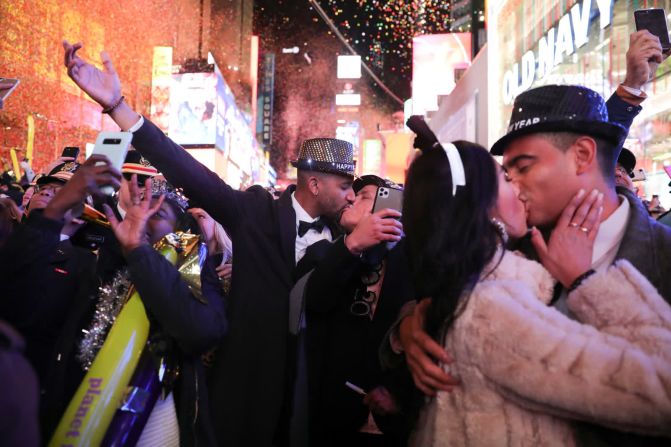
(248,389)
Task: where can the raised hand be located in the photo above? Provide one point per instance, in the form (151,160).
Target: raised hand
(131,232)
(568,253)
(643,57)
(103,87)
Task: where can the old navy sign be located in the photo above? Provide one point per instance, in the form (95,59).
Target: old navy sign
(570,33)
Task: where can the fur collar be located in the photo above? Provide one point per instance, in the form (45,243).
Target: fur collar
(514,266)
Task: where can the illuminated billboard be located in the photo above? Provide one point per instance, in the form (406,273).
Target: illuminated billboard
(161,78)
(193,99)
(349,67)
(435,57)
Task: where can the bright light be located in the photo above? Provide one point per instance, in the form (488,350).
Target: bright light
(348,99)
(349,67)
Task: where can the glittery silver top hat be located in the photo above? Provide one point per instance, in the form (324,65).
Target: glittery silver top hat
(326,155)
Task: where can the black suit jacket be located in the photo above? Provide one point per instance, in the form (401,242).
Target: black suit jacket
(247,390)
(343,347)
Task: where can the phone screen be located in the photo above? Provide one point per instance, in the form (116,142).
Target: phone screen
(654,20)
(71,151)
(6,87)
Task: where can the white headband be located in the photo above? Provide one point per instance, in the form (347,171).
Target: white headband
(456,165)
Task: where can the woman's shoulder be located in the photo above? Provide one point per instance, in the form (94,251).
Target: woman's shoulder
(517,273)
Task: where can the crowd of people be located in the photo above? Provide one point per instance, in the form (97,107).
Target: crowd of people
(520,302)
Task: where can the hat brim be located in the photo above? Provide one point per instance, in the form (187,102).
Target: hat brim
(612,132)
(367,180)
(50,179)
(342,169)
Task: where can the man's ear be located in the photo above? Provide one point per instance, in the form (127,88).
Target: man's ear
(584,151)
(313,185)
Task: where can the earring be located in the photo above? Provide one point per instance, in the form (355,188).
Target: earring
(501,228)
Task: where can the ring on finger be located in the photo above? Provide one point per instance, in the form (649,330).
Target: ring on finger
(584,230)
(573,225)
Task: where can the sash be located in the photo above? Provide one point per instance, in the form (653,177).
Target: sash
(104,388)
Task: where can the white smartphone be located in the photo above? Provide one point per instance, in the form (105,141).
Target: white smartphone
(638,175)
(7,86)
(113,145)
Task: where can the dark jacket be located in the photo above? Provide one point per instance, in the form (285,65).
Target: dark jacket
(249,371)
(194,325)
(18,393)
(342,347)
(42,277)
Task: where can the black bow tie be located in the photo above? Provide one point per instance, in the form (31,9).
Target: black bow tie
(303,227)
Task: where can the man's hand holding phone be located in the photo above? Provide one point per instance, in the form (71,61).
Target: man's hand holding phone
(643,57)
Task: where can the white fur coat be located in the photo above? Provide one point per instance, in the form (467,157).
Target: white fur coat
(525,369)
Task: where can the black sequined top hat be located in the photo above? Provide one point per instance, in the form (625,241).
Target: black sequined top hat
(326,155)
(627,160)
(560,108)
(60,174)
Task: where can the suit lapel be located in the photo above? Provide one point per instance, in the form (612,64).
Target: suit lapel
(287,222)
(637,246)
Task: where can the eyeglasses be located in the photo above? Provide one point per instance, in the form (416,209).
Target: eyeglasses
(371,277)
(364,299)
(362,306)
(49,186)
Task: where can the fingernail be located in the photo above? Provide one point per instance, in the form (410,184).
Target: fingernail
(581,192)
(594,192)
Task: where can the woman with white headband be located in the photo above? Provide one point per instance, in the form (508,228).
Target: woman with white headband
(524,368)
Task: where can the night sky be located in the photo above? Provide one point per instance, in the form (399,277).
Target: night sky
(305,87)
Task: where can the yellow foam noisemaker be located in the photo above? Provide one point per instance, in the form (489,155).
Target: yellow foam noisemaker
(92,408)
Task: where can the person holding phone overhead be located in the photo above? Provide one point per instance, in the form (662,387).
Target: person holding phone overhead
(249,391)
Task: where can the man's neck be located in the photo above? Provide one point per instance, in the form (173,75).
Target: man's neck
(306,200)
(611,202)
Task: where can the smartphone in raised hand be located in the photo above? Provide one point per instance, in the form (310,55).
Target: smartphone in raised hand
(113,145)
(654,20)
(71,151)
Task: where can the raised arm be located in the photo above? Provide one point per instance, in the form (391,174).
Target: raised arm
(221,201)
(643,57)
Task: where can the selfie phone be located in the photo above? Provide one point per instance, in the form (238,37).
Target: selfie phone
(7,86)
(71,151)
(388,198)
(654,20)
(638,175)
(113,145)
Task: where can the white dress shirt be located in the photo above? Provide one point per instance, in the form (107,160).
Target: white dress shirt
(312,236)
